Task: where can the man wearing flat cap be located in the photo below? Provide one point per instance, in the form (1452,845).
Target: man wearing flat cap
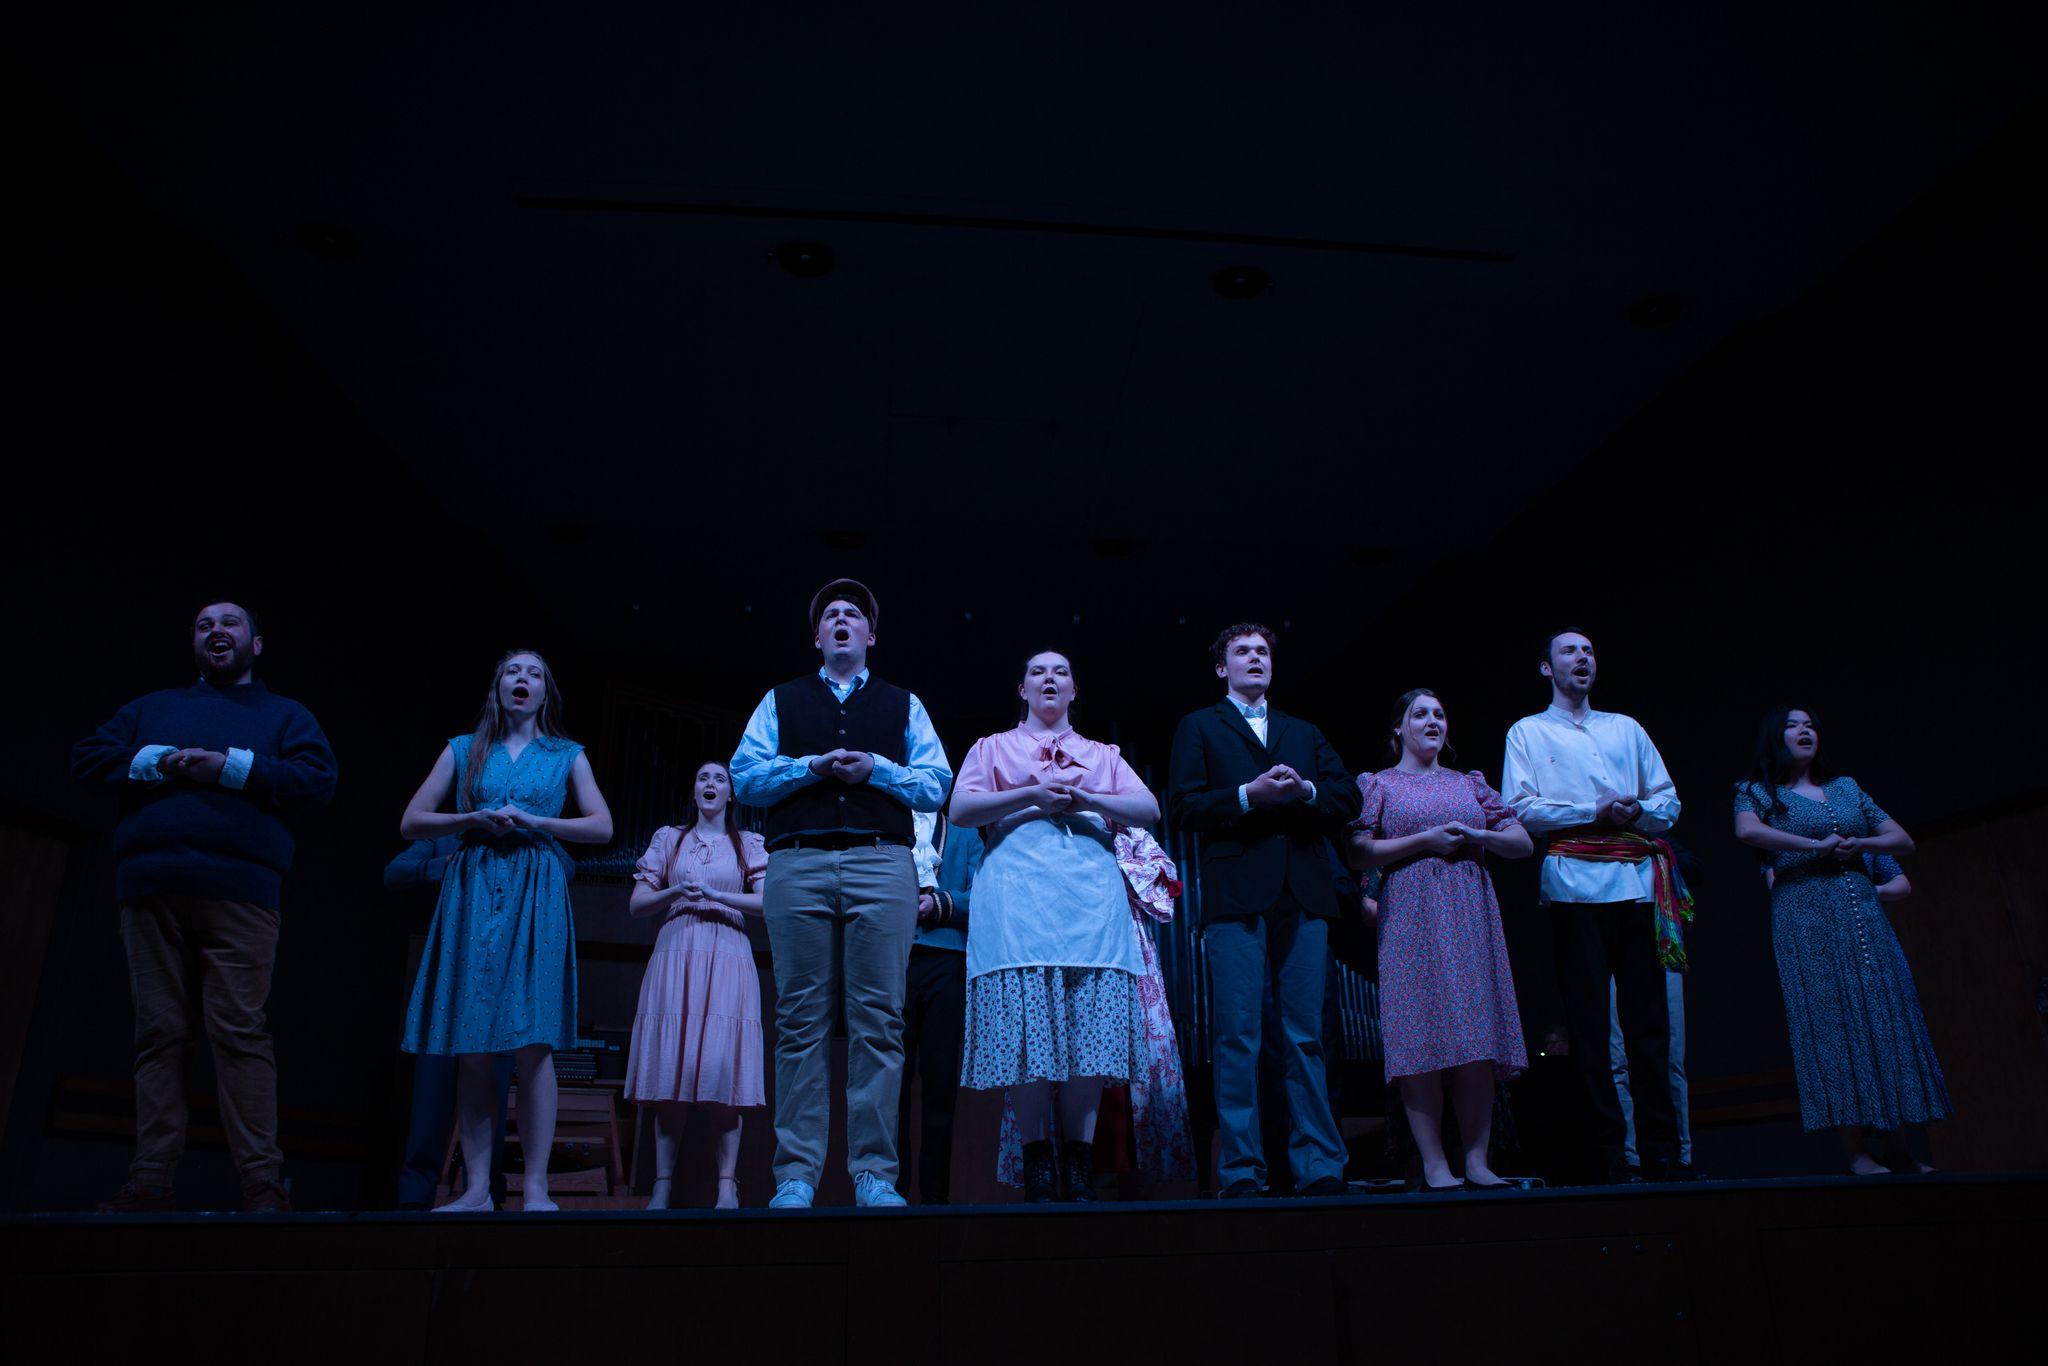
(839,759)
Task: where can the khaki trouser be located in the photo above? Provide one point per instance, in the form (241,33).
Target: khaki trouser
(839,920)
(221,952)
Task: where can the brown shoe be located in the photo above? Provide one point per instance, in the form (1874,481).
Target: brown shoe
(137,1198)
(266,1197)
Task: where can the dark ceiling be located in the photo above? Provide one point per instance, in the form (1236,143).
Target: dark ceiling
(558,306)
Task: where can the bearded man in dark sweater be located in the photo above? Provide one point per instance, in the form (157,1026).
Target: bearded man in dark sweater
(210,779)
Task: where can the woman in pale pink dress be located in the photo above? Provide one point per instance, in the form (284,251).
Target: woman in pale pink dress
(697,1036)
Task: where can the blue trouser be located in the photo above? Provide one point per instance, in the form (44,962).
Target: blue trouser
(433,1118)
(1617,1058)
(1287,949)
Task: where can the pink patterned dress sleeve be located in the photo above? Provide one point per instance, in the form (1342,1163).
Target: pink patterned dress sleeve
(653,866)
(1499,815)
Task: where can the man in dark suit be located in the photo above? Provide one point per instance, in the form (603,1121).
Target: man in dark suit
(1266,792)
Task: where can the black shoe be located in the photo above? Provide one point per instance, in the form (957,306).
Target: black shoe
(1244,1188)
(1041,1173)
(1676,1171)
(1324,1186)
(1471,1185)
(266,1197)
(140,1198)
(1080,1162)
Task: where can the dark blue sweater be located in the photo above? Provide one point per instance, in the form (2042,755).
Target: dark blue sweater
(181,838)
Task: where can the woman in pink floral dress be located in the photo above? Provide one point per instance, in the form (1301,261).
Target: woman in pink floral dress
(1447,998)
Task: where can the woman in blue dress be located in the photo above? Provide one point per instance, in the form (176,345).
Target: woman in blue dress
(499,971)
(1859,1043)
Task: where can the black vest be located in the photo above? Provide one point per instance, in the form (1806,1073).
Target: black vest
(811,721)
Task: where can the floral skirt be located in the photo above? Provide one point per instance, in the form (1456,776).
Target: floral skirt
(1051,1023)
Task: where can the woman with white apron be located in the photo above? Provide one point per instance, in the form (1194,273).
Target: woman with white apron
(1053,1007)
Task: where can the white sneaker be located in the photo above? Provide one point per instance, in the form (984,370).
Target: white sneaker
(793,1194)
(872,1192)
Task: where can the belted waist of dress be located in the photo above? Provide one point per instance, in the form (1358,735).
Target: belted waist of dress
(477,839)
(1464,853)
(1605,844)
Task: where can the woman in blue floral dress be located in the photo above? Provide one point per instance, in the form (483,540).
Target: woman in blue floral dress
(1859,1043)
(499,971)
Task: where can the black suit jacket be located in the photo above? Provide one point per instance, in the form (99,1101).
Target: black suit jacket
(1250,857)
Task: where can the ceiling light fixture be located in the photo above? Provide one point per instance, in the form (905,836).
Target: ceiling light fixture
(1241,282)
(805,260)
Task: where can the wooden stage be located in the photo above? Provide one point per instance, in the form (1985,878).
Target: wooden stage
(1796,1271)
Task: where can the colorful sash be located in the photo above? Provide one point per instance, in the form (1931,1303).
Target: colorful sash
(1596,844)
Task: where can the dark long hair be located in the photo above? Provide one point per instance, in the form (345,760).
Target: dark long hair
(491,725)
(732,825)
(1401,706)
(1772,767)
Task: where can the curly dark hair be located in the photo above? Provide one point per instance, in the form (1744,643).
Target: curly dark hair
(1242,628)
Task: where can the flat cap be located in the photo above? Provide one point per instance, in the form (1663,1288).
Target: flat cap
(853,590)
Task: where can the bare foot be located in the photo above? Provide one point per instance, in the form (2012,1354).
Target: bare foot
(1479,1174)
(469,1202)
(537,1202)
(728,1193)
(1863,1164)
(658,1197)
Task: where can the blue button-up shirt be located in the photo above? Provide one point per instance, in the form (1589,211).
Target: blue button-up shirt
(763,776)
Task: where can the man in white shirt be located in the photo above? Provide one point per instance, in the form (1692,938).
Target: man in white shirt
(1593,787)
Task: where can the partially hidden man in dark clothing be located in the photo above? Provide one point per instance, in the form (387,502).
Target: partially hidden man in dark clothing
(1266,792)
(840,760)
(935,996)
(210,779)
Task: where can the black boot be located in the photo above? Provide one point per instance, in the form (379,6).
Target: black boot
(1080,1170)
(1041,1173)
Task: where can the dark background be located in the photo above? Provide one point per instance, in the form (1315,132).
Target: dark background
(626,438)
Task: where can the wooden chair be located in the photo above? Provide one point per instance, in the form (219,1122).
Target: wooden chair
(585,1116)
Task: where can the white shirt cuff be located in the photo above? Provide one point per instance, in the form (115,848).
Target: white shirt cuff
(235,772)
(1311,797)
(1244,796)
(143,767)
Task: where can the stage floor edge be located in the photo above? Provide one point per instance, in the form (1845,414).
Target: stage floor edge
(1789,1270)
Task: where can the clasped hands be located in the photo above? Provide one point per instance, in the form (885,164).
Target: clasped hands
(1276,785)
(1061,799)
(1616,809)
(200,765)
(689,891)
(1448,838)
(498,820)
(1845,848)
(849,766)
